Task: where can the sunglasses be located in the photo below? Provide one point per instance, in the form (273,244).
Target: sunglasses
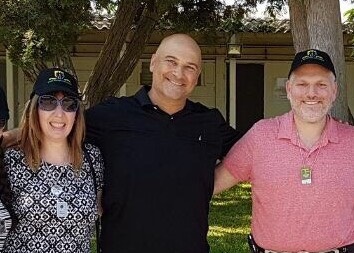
(50,103)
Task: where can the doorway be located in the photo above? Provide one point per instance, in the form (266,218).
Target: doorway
(249,95)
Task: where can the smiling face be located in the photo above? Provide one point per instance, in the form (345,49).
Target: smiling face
(311,91)
(176,66)
(57,124)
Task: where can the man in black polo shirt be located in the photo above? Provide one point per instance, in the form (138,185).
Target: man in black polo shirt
(160,151)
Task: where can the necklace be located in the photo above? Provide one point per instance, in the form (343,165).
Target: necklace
(55,188)
(62,207)
(306,167)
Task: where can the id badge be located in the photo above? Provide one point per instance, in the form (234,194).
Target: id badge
(306,177)
(2,227)
(62,209)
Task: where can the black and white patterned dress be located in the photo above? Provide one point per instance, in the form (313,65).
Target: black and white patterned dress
(5,224)
(41,229)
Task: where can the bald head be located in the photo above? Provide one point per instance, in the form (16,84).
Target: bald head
(180,42)
(175,68)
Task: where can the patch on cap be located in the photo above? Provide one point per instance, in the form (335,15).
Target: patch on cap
(312,54)
(59,76)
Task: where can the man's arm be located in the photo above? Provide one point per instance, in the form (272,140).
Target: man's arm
(223,179)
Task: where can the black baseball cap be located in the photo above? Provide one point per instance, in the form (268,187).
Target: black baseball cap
(54,80)
(4,110)
(312,56)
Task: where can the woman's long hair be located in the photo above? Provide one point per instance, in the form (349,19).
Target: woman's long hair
(31,135)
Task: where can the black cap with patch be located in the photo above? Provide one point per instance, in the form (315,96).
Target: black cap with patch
(312,56)
(54,80)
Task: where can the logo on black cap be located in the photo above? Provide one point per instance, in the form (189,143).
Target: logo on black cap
(59,76)
(312,54)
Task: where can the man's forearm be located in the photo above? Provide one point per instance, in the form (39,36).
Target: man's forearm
(223,179)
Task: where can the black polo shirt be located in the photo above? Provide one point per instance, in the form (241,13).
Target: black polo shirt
(159,173)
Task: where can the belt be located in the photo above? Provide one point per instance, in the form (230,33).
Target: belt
(344,249)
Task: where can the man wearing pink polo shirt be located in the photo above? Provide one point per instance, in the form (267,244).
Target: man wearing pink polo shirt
(301,167)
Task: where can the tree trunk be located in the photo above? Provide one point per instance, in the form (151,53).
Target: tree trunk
(96,88)
(321,23)
(124,46)
(298,25)
(134,50)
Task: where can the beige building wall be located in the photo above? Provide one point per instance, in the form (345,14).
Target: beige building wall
(205,92)
(275,100)
(83,67)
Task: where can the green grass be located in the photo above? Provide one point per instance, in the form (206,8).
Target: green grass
(93,246)
(229,221)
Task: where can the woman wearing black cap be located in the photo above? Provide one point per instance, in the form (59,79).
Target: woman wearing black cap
(50,175)
(6,210)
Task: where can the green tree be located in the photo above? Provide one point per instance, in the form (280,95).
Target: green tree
(349,14)
(38,33)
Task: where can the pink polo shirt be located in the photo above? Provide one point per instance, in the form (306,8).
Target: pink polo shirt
(287,215)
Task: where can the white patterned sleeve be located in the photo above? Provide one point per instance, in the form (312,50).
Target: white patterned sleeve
(97,162)
(99,168)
